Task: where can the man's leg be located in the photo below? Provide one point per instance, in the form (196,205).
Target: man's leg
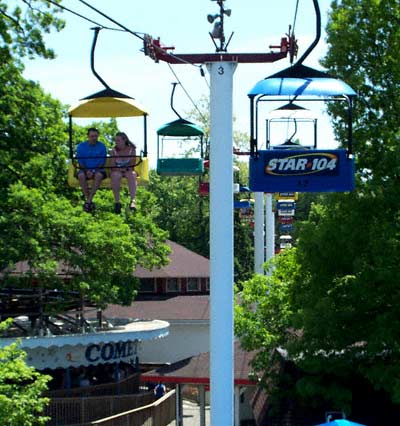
(98,177)
(83,183)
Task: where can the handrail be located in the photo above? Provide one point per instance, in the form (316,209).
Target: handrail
(135,410)
(86,409)
(131,380)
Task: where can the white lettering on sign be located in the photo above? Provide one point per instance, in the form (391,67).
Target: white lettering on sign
(302,164)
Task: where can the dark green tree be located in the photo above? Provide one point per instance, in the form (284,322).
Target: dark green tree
(340,299)
(22,26)
(182,212)
(41,220)
(21,388)
(185,214)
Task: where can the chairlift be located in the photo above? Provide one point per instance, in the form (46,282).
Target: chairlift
(107,103)
(292,115)
(298,168)
(170,136)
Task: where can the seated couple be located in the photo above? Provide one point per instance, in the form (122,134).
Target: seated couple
(92,157)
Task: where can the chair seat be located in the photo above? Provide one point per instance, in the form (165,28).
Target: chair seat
(180,166)
(142,171)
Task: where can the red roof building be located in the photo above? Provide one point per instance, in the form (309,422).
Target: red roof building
(186,273)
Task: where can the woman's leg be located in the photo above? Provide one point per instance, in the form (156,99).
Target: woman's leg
(131,178)
(116,184)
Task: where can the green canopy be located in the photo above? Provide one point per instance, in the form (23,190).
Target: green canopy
(180,127)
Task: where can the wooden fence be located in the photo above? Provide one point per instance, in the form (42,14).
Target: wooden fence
(159,413)
(127,386)
(83,410)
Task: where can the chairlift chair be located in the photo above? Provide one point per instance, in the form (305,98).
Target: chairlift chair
(170,136)
(292,115)
(107,103)
(293,168)
(174,133)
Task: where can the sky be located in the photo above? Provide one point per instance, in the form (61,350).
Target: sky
(256,25)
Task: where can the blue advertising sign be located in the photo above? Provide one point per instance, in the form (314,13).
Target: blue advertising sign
(241,204)
(286,196)
(286,227)
(285,205)
(286,212)
(308,170)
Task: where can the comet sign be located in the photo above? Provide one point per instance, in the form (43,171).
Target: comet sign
(302,171)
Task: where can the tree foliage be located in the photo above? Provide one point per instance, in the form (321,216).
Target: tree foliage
(21,388)
(41,219)
(185,214)
(22,26)
(182,211)
(340,291)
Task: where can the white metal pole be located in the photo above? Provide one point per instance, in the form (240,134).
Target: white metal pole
(259,233)
(269,228)
(202,401)
(237,405)
(221,243)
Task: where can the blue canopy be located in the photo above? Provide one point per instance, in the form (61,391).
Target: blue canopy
(303,81)
(341,422)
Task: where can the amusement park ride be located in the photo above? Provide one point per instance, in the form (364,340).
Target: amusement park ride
(272,170)
(303,169)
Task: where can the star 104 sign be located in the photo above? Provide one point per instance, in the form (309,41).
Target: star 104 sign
(302,171)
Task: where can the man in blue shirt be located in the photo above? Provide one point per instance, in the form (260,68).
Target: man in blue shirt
(91,156)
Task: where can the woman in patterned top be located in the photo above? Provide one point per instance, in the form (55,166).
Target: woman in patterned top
(123,161)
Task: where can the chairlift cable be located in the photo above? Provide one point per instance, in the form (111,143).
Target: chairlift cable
(186,92)
(205,78)
(140,35)
(136,34)
(200,67)
(295,17)
(82,16)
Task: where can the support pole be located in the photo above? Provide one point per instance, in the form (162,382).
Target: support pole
(178,406)
(202,400)
(237,405)
(221,243)
(269,229)
(259,233)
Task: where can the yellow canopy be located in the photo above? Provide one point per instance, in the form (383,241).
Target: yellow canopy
(104,107)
